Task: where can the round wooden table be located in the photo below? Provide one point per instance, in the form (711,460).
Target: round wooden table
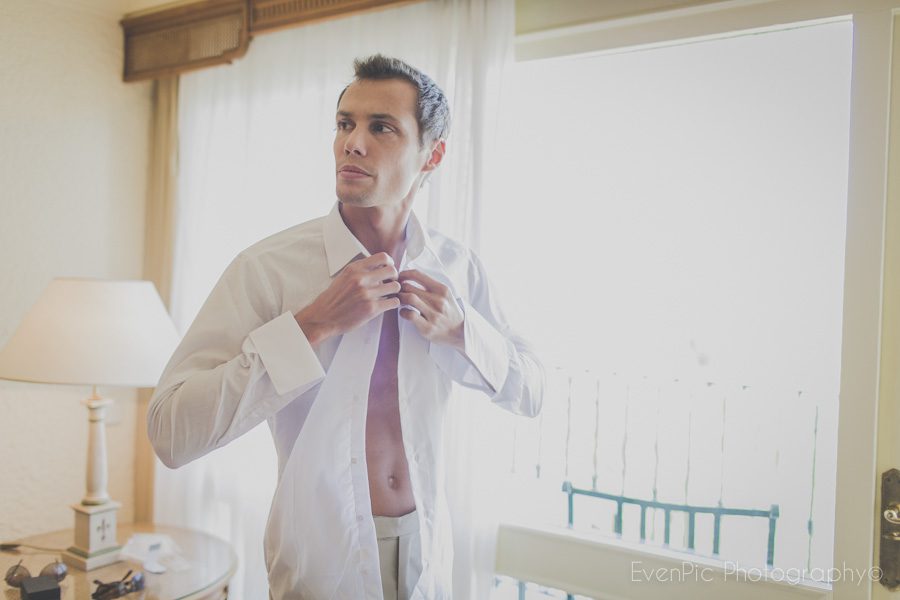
(212,563)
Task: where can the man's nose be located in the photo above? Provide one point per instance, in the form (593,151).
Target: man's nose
(355,143)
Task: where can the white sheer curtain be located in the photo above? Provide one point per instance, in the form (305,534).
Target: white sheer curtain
(255,158)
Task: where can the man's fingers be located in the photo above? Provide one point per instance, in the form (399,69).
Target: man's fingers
(379,275)
(386,304)
(390,288)
(376,260)
(414,317)
(432,285)
(415,301)
(432,300)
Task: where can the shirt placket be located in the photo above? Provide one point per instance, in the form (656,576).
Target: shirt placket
(367,551)
(413,349)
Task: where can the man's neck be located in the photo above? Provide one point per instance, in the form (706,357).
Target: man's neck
(378,228)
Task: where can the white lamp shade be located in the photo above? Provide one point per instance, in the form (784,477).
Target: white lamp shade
(92,332)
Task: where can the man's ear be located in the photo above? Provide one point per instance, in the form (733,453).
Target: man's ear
(436,156)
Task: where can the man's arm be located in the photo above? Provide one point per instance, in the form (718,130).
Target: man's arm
(241,362)
(472,341)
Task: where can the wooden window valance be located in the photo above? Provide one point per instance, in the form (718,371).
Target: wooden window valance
(192,35)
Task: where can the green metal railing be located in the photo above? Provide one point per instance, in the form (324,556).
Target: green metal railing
(692,511)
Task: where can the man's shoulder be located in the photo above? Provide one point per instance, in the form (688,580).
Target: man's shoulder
(461,262)
(451,251)
(300,237)
(447,247)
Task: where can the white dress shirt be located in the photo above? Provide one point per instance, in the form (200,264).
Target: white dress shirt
(245,360)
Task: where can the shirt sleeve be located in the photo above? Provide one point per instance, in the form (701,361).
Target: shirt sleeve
(237,365)
(495,359)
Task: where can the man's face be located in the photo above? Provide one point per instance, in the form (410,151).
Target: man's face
(376,144)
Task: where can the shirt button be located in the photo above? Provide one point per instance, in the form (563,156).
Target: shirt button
(359,517)
(353,460)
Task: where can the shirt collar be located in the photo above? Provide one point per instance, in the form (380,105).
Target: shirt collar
(341,246)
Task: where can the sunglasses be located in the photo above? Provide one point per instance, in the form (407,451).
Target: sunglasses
(117,589)
(16,574)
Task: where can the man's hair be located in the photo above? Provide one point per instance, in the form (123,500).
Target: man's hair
(432,109)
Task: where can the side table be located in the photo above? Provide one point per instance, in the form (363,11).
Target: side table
(212,564)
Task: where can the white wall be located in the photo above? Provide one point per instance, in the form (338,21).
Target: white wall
(540,15)
(73,162)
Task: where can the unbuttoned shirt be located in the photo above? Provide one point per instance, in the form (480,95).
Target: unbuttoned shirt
(245,359)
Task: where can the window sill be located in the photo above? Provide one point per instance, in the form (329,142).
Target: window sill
(605,568)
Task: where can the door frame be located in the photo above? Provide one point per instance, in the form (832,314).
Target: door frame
(888,436)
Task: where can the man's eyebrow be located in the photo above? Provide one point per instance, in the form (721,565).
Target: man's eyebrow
(384,117)
(372,117)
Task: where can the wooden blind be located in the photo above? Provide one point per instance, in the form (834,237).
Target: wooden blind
(185,37)
(212,32)
(269,15)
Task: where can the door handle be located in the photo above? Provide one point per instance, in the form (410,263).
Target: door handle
(889,554)
(892,514)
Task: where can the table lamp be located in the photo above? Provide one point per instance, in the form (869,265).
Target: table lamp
(93,332)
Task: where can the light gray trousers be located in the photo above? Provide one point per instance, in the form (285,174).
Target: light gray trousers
(400,555)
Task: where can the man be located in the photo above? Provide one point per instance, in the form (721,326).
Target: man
(344,334)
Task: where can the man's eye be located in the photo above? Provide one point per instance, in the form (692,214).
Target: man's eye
(381,128)
(341,125)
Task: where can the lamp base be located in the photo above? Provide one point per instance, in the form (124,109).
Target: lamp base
(95,537)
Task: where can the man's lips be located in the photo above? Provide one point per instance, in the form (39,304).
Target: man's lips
(353,172)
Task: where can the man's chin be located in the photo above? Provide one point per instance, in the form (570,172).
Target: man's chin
(355,200)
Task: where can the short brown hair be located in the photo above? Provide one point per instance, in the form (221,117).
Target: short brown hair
(432,108)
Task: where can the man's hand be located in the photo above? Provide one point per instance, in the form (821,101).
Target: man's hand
(362,290)
(439,318)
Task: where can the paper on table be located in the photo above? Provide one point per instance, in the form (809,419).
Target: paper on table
(140,548)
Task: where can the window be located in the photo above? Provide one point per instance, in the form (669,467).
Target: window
(675,218)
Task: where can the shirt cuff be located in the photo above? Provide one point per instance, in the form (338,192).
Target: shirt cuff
(286,353)
(485,358)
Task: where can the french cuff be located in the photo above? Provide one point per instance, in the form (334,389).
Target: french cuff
(286,353)
(485,359)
